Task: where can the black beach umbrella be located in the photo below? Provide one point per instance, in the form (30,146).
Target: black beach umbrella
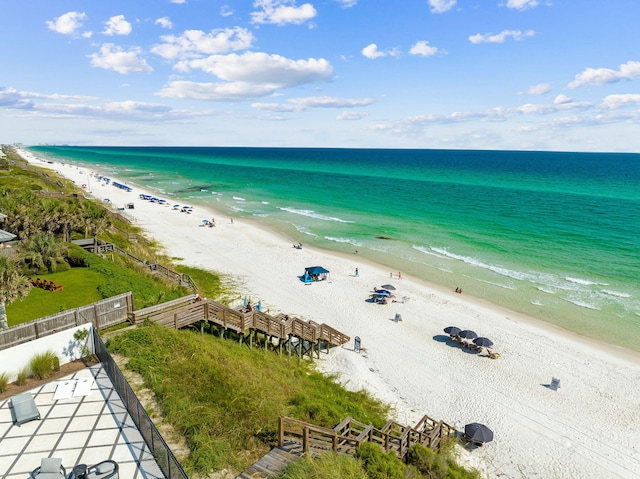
(468,334)
(452,330)
(478,432)
(389,287)
(483,342)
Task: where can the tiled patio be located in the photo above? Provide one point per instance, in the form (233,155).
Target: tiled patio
(80,430)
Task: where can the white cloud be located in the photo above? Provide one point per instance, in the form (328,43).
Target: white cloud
(226,11)
(112,57)
(441,6)
(562,99)
(539,89)
(262,68)
(179,2)
(117,25)
(351,115)
(347,3)
(235,91)
(282,12)
(57,106)
(302,104)
(371,51)
(68,23)
(522,4)
(603,76)
(612,102)
(247,76)
(194,43)
(423,49)
(164,22)
(500,37)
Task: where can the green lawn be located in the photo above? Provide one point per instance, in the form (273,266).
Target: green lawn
(80,288)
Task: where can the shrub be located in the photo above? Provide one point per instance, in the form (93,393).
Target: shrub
(23,374)
(41,364)
(326,466)
(4,381)
(378,464)
(428,462)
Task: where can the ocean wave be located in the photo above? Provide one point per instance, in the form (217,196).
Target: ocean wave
(264,202)
(343,240)
(582,304)
(584,282)
(305,231)
(536,302)
(238,198)
(518,275)
(313,214)
(545,290)
(617,294)
(428,251)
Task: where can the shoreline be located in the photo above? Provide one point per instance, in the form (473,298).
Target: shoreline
(411,365)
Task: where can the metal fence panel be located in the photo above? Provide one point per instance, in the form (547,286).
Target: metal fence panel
(168,463)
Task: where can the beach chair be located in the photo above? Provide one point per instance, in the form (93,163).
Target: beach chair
(555,384)
(103,470)
(50,468)
(493,355)
(24,408)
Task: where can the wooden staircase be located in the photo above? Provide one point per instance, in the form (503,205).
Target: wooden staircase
(298,437)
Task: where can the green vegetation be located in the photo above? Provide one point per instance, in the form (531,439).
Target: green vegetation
(225,398)
(371,462)
(41,365)
(327,466)
(4,382)
(45,213)
(23,374)
(82,336)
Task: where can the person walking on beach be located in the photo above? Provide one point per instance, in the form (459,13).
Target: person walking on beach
(399,275)
(356,271)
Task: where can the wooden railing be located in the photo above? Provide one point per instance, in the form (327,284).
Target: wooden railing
(102,314)
(349,434)
(188,310)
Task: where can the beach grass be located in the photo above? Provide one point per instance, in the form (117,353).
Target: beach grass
(226,398)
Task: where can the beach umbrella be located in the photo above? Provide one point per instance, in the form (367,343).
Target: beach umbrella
(388,286)
(452,330)
(483,342)
(468,334)
(478,432)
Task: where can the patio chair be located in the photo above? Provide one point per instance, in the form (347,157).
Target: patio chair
(555,384)
(103,470)
(24,408)
(50,468)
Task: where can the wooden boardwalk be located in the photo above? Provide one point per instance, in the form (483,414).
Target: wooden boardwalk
(296,438)
(272,463)
(282,333)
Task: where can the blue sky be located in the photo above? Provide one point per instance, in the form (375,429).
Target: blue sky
(462,74)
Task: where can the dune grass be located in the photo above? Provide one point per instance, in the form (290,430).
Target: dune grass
(226,398)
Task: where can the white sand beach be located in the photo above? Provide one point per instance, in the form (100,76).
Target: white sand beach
(588,428)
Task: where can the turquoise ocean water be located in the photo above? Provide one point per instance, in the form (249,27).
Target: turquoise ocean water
(553,235)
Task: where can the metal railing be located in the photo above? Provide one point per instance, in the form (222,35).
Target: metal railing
(168,463)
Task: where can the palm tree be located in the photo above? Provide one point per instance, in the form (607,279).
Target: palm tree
(42,251)
(13,285)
